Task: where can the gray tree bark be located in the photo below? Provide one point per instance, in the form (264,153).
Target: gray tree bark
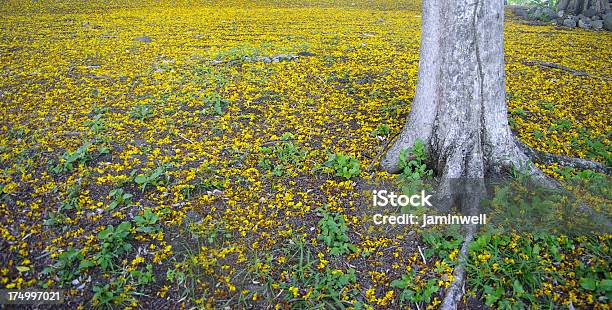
(576,7)
(459,108)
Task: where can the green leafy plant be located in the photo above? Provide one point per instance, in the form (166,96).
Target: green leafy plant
(141,277)
(154,177)
(141,111)
(547,105)
(441,244)
(412,162)
(70,159)
(216,103)
(147,222)
(72,198)
(119,198)
(280,156)
(114,243)
(561,124)
(381,131)
(332,282)
(344,166)
(96,124)
(111,294)
(334,233)
(54,219)
(412,293)
(69,265)
(325,288)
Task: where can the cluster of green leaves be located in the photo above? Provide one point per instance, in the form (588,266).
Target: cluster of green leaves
(154,177)
(114,243)
(513,270)
(412,162)
(72,198)
(334,233)
(596,183)
(119,198)
(413,170)
(147,222)
(278,157)
(70,159)
(560,125)
(81,156)
(69,265)
(214,103)
(442,243)
(344,166)
(519,205)
(595,145)
(411,293)
(111,294)
(114,293)
(141,277)
(381,131)
(97,124)
(141,111)
(326,287)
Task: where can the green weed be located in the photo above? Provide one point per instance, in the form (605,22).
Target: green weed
(343,165)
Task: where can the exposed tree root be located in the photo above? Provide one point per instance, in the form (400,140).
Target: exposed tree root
(572,162)
(382,151)
(454,292)
(546,64)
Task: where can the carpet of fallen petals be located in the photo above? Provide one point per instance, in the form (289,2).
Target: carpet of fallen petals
(161,114)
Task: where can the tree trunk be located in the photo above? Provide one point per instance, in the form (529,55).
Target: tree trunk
(459,109)
(577,7)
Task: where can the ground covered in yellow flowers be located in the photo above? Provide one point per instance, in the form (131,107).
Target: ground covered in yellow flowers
(164,154)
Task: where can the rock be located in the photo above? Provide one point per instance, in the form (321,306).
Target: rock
(521,12)
(569,23)
(532,10)
(584,24)
(306,54)
(597,24)
(607,22)
(580,16)
(589,12)
(283,57)
(144,39)
(560,13)
(537,13)
(596,17)
(548,12)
